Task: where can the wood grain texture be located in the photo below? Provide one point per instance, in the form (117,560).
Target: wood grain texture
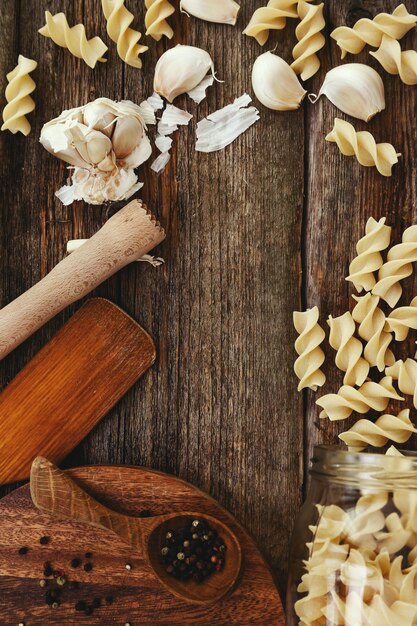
(64,391)
(138,597)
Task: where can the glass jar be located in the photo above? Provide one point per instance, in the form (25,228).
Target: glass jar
(354,549)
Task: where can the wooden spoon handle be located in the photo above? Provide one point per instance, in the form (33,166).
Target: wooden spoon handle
(56,493)
(125,237)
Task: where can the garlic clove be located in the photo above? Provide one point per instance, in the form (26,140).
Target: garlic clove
(126,136)
(276,84)
(55,140)
(98,146)
(219,11)
(98,116)
(140,154)
(180,69)
(354,88)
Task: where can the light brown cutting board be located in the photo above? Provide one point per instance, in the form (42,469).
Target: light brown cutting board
(138,597)
(73,381)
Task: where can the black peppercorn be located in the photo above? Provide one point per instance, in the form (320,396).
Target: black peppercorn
(80,606)
(48,571)
(88,567)
(49,600)
(75,563)
(88,610)
(23,550)
(88,555)
(44,540)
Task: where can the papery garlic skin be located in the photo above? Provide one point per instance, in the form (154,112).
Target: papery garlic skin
(275,83)
(180,69)
(218,11)
(355,89)
(104,141)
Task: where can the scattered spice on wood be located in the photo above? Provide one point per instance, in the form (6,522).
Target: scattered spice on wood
(128,567)
(88,555)
(23,550)
(194,552)
(43,583)
(47,571)
(61,581)
(88,567)
(75,563)
(44,540)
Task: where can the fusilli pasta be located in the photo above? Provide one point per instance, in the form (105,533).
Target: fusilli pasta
(371,395)
(405,372)
(398,428)
(367,31)
(156,18)
(402,319)
(369,260)
(394,61)
(349,349)
(371,320)
(19,102)
(271,17)
(397,267)
(311,356)
(73,38)
(310,39)
(363,145)
(118,29)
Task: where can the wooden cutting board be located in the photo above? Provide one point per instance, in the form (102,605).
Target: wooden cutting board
(69,385)
(138,597)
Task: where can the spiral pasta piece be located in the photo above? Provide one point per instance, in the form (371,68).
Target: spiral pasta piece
(369,260)
(363,145)
(371,395)
(19,102)
(156,18)
(398,428)
(349,349)
(371,320)
(405,373)
(271,17)
(395,537)
(397,267)
(311,356)
(367,31)
(310,39)
(400,320)
(73,38)
(394,61)
(118,29)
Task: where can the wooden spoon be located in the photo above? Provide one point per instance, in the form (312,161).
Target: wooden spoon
(54,492)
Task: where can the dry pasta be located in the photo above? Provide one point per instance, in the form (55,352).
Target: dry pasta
(371,320)
(398,428)
(271,17)
(371,395)
(363,145)
(73,38)
(394,61)
(397,267)
(402,319)
(310,39)
(367,31)
(405,372)
(368,249)
(118,29)
(19,102)
(311,356)
(156,18)
(349,349)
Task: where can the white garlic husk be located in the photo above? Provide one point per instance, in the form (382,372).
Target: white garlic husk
(354,88)
(219,11)
(103,141)
(180,69)
(276,84)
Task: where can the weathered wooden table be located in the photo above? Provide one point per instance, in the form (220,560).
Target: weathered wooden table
(264,227)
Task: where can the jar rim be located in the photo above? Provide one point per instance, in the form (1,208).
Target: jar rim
(338,464)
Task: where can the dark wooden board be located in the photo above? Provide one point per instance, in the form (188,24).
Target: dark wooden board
(264,227)
(138,597)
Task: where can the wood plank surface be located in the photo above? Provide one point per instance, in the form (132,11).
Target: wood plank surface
(255,231)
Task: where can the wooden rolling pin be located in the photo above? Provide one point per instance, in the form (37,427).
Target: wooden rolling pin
(125,237)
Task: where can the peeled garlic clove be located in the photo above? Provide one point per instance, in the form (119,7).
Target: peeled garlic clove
(355,89)
(180,69)
(276,84)
(126,136)
(219,11)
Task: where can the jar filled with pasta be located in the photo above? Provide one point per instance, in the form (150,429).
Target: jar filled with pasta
(354,552)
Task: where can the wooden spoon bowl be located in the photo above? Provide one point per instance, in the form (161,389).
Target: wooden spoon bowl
(55,492)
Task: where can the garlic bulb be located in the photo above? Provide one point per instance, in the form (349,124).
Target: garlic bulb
(180,69)
(275,83)
(355,89)
(219,11)
(103,141)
